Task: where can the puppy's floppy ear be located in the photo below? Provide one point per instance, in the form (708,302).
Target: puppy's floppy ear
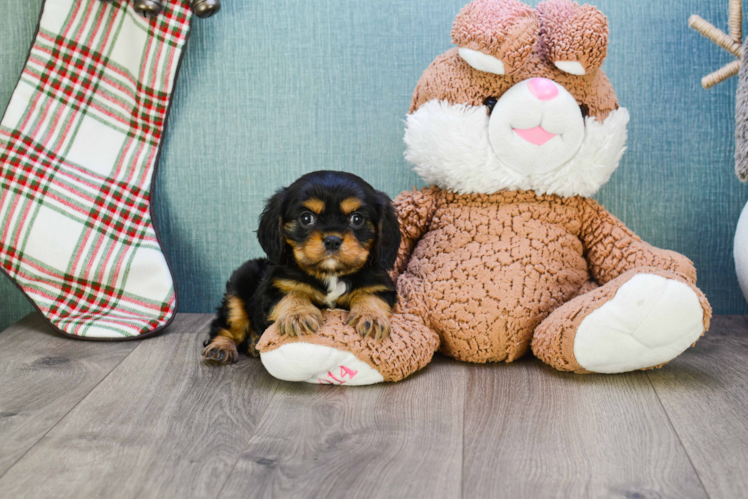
(388,233)
(270,232)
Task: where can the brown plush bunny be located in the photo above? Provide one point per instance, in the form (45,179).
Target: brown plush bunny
(515,130)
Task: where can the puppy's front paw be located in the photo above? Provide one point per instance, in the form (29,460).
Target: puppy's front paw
(370,322)
(298,322)
(221,351)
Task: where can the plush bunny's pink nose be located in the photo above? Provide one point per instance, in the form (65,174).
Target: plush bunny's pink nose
(543,89)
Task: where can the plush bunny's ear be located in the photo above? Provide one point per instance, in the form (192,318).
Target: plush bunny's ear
(495,36)
(576,36)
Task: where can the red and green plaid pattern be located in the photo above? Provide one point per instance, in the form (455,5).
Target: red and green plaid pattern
(78,148)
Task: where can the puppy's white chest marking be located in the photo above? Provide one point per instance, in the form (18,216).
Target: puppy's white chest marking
(335,289)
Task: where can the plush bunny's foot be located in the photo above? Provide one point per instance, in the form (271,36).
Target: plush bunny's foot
(338,354)
(642,319)
(650,321)
(318,364)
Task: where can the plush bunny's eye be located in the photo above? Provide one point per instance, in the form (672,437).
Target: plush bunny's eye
(490,102)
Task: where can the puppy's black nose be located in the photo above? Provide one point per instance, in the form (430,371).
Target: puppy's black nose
(332,243)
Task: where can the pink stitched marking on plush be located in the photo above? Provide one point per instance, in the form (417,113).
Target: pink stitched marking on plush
(543,89)
(537,135)
(334,381)
(344,372)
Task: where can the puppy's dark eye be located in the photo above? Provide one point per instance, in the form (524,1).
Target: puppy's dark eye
(490,102)
(357,220)
(585,110)
(307,219)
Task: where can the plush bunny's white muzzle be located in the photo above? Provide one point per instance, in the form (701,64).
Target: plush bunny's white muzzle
(536,126)
(535,138)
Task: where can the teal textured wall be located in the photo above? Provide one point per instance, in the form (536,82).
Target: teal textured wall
(273,89)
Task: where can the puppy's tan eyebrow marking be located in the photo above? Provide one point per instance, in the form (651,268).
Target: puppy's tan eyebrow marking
(315,205)
(349,205)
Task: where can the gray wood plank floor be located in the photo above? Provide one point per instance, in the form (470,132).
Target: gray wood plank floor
(148,419)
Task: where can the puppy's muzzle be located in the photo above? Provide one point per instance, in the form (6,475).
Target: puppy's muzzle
(332,243)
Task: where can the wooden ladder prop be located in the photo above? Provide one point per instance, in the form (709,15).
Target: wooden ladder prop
(733,43)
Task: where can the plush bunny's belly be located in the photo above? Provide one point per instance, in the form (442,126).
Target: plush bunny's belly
(492,270)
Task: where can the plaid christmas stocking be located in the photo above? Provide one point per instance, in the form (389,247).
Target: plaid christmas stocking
(79,144)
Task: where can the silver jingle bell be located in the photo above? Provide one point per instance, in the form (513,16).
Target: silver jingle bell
(205,8)
(147,8)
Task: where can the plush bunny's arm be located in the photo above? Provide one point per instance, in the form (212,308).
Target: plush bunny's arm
(415,209)
(613,249)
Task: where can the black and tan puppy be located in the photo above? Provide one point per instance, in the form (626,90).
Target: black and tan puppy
(330,240)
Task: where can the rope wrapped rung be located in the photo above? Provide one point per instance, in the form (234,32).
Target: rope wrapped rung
(721,75)
(716,35)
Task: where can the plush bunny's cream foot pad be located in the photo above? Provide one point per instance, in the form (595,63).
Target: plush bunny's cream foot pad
(338,355)
(650,321)
(318,364)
